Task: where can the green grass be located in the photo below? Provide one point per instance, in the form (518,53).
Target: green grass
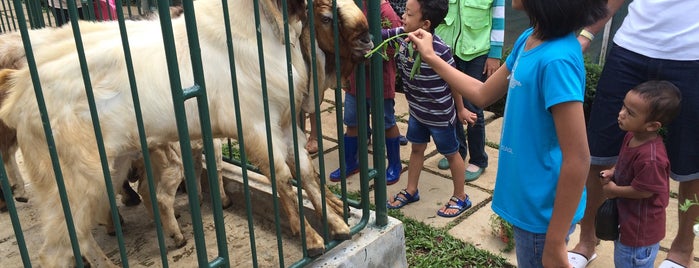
(426,246)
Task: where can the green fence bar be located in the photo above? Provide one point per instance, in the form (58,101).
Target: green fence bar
(16,225)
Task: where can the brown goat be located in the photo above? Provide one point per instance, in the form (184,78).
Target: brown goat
(8,148)
(12,56)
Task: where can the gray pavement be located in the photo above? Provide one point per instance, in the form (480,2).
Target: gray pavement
(435,188)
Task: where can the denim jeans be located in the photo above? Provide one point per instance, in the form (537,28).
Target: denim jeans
(529,247)
(475,142)
(634,257)
(350,112)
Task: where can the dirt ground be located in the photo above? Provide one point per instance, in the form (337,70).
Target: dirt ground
(141,240)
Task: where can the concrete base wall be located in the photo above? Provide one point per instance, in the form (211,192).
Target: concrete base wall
(372,247)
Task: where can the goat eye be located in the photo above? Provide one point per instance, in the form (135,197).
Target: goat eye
(326,20)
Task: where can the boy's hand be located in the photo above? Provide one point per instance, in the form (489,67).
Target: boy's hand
(466,117)
(606,176)
(608,189)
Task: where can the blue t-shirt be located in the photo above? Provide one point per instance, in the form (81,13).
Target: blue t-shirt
(530,155)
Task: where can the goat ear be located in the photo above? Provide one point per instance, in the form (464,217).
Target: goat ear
(296,8)
(5,84)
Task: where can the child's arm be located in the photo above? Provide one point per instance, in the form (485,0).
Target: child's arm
(570,128)
(611,190)
(479,93)
(461,112)
(388,33)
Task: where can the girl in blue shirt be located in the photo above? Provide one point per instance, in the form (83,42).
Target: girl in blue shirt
(544,157)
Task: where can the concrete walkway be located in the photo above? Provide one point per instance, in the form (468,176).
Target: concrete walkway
(435,188)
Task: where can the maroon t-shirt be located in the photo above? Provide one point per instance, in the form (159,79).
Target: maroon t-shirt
(389,20)
(645,168)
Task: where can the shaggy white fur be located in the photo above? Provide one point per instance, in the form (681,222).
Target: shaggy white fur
(64,92)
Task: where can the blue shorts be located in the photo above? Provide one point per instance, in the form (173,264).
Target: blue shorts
(444,137)
(350,111)
(634,257)
(624,70)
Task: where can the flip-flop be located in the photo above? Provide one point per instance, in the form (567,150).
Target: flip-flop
(461,205)
(578,260)
(669,264)
(407,198)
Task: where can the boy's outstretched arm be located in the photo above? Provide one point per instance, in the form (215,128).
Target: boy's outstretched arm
(570,128)
(479,93)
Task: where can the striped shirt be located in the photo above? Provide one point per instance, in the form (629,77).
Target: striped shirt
(429,96)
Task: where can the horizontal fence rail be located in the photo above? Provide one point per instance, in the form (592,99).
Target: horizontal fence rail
(126,101)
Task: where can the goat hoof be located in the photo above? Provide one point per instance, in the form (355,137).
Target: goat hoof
(314,252)
(342,236)
(179,243)
(226,203)
(21,199)
(86,263)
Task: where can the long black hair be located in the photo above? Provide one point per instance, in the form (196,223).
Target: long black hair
(556,18)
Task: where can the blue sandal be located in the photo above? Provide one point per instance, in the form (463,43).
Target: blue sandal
(461,205)
(407,198)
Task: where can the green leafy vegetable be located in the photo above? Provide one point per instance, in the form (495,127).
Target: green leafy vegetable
(416,64)
(384,46)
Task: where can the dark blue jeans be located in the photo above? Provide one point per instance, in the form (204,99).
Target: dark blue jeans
(476,133)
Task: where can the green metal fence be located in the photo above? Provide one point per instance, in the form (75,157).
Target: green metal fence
(22,16)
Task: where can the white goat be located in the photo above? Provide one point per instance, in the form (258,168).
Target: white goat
(62,84)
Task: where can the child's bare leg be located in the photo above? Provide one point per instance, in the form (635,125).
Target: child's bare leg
(392,132)
(417,159)
(458,168)
(352,131)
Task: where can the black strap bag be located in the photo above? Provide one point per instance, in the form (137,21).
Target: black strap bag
(607,221)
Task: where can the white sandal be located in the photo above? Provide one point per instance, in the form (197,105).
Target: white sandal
(578,260)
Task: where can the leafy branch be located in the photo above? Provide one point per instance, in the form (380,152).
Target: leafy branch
(689,203)
(381,49)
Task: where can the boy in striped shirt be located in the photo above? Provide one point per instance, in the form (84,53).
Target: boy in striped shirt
(432,106)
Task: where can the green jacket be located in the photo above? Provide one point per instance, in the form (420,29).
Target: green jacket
(473,28)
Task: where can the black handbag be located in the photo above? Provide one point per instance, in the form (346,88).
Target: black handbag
(607,221)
